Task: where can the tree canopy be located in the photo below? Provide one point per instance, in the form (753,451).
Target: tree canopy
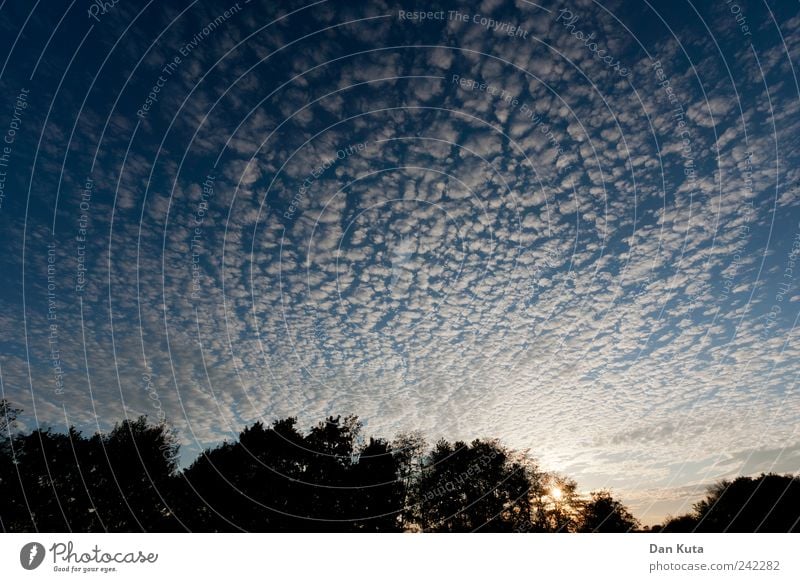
(330,478)
(767,503)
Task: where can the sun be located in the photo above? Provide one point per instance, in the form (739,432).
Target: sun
(556,493)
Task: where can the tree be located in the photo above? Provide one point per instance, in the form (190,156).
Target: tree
(557,505)
(681,524)
(255,484)
(378,492)
(604,514)
(768,503)
(331,446)
(8,419)
(109,482)
(277,479)
(40,491)
(408,450)
(477,487)
(135,465)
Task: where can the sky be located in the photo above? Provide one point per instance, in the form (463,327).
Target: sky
(574,226)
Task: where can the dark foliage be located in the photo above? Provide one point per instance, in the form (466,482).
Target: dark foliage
(768,503)
(66,482)
(328,479)
(604,514)
(277,479)
(464,488)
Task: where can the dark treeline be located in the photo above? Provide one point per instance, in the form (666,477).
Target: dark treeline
(328,479)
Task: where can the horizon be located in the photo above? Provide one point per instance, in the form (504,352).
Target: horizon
(581,494)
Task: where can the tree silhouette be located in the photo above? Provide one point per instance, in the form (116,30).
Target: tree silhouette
(277,479)
(43,491)
(767,503)
(65,482)
(328,472)
(329,479)
(408,450)
(604,514)
(251,485)
(475,487)
(378,496)
(681,524)
(138,463)
(8,420)
(557,505)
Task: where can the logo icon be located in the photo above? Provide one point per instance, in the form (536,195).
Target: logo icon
(31,555)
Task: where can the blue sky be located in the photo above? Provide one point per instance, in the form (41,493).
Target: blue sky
(573,226)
